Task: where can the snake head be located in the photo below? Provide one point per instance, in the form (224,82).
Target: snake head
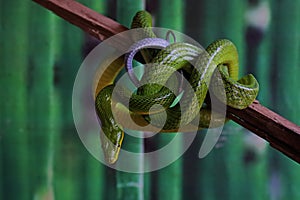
(112,135)
(111,144)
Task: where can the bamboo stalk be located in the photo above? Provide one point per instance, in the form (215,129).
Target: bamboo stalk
(259,50)
(1,140)
(130,186)
(171,18)
(285,67)
(55,119)
(70,154)
(1,171)
(40,100)
(285,139)
(94,179)
(234,178)
(258,55)
(196,184)
(211,169)
(109,175)
(14,133)
(96,185)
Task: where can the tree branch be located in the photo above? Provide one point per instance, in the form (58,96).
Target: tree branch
(282,134)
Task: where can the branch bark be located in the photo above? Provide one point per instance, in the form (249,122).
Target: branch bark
(282,134)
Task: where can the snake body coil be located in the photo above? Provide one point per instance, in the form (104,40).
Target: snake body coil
(221,54)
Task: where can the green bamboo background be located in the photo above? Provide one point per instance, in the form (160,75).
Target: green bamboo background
(41,155)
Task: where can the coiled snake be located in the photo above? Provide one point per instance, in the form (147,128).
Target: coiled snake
(221,54)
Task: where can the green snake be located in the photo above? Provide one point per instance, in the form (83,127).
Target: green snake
(221,54)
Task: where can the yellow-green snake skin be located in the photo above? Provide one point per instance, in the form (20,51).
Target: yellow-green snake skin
(222,55)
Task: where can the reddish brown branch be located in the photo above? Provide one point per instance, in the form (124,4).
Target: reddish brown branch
(88,20)
(282,134)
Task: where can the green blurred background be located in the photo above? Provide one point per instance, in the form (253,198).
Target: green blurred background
(41,155)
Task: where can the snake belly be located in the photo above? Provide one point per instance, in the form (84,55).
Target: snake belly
(221,54)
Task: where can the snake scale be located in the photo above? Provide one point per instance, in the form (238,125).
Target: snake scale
(221,54)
